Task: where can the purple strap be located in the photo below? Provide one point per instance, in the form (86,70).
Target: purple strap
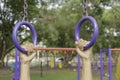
(101,65)
(78,75)
(109,64)
(17,66)
(18,47)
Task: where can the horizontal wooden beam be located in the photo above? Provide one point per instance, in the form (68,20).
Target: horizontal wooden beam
(115,50)
(56,49)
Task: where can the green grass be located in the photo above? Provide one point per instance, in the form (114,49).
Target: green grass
(51,75)
(55,75)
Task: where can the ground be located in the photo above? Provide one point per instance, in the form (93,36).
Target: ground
(50,74)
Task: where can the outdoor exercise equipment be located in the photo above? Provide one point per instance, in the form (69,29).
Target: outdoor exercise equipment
(95,63)
(109,51)
(15,31)
(41,69)
(60,65)
(77,37)
(17,66)
(16,42)
(78,27)
(79,24)
(92,41)
(52,65)
(95,34)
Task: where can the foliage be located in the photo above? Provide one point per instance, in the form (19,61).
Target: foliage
(111,22)
(10,13)
(55,22)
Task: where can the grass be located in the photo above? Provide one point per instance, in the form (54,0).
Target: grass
(55,75)
(51,75)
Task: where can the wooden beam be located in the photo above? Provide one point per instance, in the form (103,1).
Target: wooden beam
(115,50)
(56,49)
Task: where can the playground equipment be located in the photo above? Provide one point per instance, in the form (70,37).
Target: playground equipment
(52,62)
(109,51)
(93,40)
(78,27)
(58,57)
(15,31)
(95,34)
(34,35)
(17,44)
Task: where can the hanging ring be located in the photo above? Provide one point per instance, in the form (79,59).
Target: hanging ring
(15,31)
(95,34)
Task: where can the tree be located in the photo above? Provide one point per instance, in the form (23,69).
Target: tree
(111,20)
(11,12)
(55,22)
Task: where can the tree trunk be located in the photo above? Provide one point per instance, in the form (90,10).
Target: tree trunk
(1,63)
(3,54)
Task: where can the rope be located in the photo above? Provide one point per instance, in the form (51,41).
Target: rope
(25,18)
(84,3)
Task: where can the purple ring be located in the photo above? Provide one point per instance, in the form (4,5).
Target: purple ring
(15,31)
(95,34)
